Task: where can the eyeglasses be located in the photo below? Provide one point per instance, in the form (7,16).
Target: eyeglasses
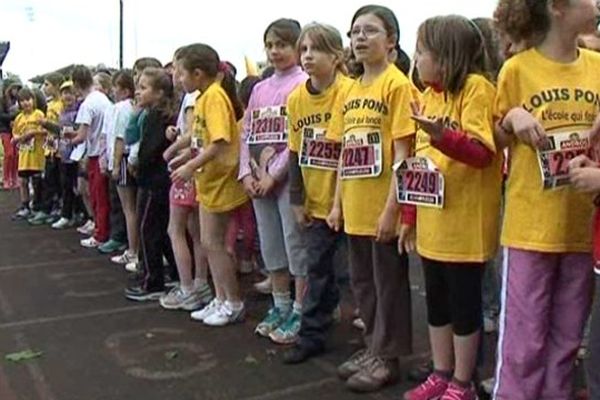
(368,30)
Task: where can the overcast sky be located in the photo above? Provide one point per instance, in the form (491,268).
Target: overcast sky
(49,34)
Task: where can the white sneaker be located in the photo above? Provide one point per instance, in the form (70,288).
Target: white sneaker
(246,267)
(177,300)
(62,224)
(490,325)
(87,228)
(90,243)
(488,385)
(224,315)
(125,258)
(131,266)
(201,315)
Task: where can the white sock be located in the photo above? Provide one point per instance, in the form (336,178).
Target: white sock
(283,301)
(297,307)
(234,305)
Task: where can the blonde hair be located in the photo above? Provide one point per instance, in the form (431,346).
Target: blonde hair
(327,39)
(104,80)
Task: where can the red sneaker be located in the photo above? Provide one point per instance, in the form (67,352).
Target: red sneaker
(432,389)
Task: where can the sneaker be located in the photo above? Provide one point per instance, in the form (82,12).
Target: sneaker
(125,258)
(455,392)
(432,389)
(264,287)
(225,315)
(90,243)
(177,300)
(62,223)
(336,315)
(246,267)
(22,213)
(487,385)
(138,293)
(376,373)
(271,322)
(88,228)
(490,324)
(358,324)
(354,364)
(170,282)
(211,307)
(52,218)
(287,332)
(39,218)
(300,353)
(132,266)
(111,246)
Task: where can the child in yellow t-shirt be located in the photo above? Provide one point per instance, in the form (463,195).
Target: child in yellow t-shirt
(546,103)
(29,135)
(313,174)
(215,169)
(51,183)
(373,124)
(454,179)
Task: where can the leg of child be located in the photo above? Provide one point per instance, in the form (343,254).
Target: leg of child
(38,187)
(232,230)
(83,188)
(24,192)
(593,373)
(200,275)
(248,225)
(177,232)
(571,301)
(527,289)
(213,227)
(128,195)
(465,281)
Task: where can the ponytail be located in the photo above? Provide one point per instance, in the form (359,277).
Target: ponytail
(205,58)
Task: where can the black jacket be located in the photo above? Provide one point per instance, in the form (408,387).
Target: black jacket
(152,168)
(6,114)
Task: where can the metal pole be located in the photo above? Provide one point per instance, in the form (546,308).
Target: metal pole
(120,34)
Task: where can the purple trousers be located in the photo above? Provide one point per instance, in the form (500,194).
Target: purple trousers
(546,300)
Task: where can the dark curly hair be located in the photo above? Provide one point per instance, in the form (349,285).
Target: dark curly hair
(523,20)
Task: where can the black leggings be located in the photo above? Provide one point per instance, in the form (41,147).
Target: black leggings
(454,295)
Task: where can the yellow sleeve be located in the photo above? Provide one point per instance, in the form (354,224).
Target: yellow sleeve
(399,105)
(477,112)
(292,117)
(217,114)
(505,93)
(18,126)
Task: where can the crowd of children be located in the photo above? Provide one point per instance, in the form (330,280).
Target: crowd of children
(490,138)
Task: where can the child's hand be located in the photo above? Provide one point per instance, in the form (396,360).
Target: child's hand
(115,173)
(178,161)
(434,128)
(586,179)
(386,226)
(250,186)
(407,241)
(171,133)
(527,128)
(302,217)
(182,174)
(334,219)
(266,185)
(582,161)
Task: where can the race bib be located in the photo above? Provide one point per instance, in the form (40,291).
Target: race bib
(317,152)
(268,125)
(362,155)
(419,182)
(27,145)
(554,159)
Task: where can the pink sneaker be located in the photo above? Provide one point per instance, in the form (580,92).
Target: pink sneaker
(432,389)
(455,392)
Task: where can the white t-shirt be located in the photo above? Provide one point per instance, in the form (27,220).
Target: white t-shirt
(91,113)
(115,122)
(189,100)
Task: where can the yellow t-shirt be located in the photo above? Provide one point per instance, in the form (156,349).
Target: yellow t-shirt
(308,117)
(31,153)
(367,122)
(466,228)
(55,108)
(564,98)
(217,187)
